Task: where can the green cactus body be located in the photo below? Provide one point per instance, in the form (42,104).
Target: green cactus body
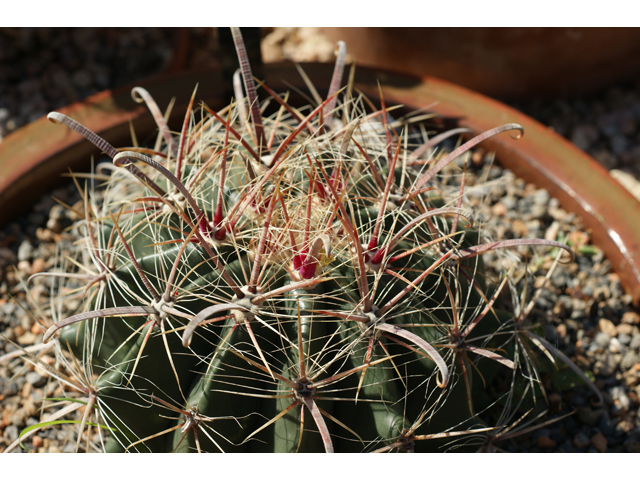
(219,388)
(299,317)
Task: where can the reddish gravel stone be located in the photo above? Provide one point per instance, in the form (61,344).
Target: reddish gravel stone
(37,441)
(546,442)
(599,441)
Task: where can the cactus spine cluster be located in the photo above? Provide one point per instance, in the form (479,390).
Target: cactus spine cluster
(297,282)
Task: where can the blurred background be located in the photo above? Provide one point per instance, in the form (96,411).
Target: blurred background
(582,82)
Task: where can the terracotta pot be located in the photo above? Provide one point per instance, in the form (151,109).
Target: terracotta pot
(32,157)
(505,63)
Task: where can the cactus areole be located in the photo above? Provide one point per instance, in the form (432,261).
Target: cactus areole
(293,281)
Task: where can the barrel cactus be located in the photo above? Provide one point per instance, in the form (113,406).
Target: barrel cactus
(297,282)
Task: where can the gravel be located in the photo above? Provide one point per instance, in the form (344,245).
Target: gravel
(605,125)
(584,310)
(47,68)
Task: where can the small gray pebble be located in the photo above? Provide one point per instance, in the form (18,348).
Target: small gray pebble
(566,447)
(580,440)
(7,308)
(35,379)
(54,225)
(588,416)
(624,339)
(56,212)
(69,448)
(31,421)
(577,400)
(509,202)
(10,433)
(593,349)
(635,342)
(557,436)
(602,339)
(632,446)
(605,425)
(61,194)
(537,211)
(606,366)
(25,251)
(82,78)
(542,432)
(7,256)
(60,78)
(615,346)
(19,381)
(18,417)
(629,359)
(541,197)
(10,390)
(622,401)
(619,144)
(584,135)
